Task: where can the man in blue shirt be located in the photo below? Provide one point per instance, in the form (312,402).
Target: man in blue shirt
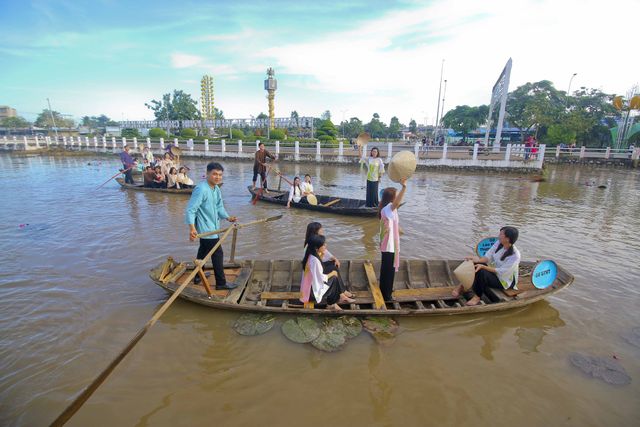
(203,214)
(128,164)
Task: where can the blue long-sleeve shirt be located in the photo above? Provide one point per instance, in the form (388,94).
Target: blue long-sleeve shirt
(205,209)
(126,159)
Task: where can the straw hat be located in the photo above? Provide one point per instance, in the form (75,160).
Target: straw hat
(176,151)
(141,145)
(465,273)
(402,165)
(362,139)
(312,200)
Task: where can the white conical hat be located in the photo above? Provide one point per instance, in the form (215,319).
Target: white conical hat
(312,200)
(465,273)
(402,165)
(363,138)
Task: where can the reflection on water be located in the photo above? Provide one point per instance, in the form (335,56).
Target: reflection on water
(75,289)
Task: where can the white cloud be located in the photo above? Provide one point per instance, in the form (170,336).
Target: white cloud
(184,60)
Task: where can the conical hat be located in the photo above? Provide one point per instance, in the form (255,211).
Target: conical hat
(142,146)
(312,200)
(363,138)
(176,151)
(465,273)
(402,165)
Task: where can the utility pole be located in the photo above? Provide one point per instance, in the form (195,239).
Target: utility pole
(435,136)
(55,128)
(444,95)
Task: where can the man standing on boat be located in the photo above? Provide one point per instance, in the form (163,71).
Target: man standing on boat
(127,164)
(203,214)
(260,166)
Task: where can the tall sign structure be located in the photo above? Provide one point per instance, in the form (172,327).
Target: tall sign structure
(270,85)
(498,94)
(206,98)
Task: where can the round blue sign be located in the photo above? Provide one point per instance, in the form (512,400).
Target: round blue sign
(485,245)
(544,274)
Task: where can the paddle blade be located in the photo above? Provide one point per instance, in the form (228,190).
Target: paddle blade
(274,218)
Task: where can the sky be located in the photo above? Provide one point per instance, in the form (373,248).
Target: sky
(353,58)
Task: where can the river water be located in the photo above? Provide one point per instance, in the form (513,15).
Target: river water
(74,289)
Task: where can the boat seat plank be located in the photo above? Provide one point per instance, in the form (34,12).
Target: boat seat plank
(242,281)
(424,294)
(374,286)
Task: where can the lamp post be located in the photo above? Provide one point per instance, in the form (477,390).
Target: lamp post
(343,111)
(569,88)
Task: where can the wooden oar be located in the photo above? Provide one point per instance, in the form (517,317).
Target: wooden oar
(211,233)
(261,189)
(88,391)
(119,173)
(333,202)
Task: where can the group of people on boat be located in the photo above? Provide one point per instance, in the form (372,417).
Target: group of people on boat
(156,172)
(321,281)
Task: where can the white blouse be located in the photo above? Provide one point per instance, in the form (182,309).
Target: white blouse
(295,194)
(507,270)
(307,187)
(313,272)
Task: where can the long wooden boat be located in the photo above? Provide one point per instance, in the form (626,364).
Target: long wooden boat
(422,287)
(141,187)
(342,206)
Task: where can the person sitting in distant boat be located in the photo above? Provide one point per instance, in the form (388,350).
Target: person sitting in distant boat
(324,288)
(172,179)
(183,178)
(497,269)
(148,176)
(307,188)
(329,261)
(159,180)
(166,164)
(295,192)
(147,154)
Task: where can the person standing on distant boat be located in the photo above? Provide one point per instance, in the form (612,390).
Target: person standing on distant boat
(390,237)
(127,164)
(497,269)
(375,171)
(203,214)
(260,166)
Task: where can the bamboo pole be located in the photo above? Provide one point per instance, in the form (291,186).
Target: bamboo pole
(91,388)
(221,230)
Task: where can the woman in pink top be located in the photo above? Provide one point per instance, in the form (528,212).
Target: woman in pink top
(325,288)
(390,237)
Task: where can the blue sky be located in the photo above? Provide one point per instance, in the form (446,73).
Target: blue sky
(354,58)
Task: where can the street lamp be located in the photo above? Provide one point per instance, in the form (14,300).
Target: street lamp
(343,111)
(569,88)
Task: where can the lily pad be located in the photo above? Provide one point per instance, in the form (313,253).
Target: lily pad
(352,326)
(382,329)
(301,330)
(332,336)
(605,369)
(254,324)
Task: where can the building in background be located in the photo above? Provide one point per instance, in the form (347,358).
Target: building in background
(6,111)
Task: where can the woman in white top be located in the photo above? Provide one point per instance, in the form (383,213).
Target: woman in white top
(325,288)
(375,171)
(295,192)
(307,188)
(390,237)
(172,179)
(498,268)
(183,178)
(166,164)
(329,262)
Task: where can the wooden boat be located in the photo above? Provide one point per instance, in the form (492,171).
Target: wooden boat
(342,206)
(422,287)
(159,190)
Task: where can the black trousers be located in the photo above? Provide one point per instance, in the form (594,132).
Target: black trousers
(217,259)
(128,177)
(263,176)
(328,267)
(387,275)
(372,194)
(485,279)
(332,296)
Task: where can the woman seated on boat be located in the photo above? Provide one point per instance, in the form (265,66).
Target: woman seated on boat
(295,192)
(307,188)
(329,262)
(166,164)
(159,179)
(183,178)
(148,176)
(497,269)
(324,288)
(172,179)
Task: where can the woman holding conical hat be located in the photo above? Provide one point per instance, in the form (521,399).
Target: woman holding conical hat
(390,237)
(497,269)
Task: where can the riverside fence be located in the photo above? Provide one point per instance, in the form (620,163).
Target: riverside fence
(511,156)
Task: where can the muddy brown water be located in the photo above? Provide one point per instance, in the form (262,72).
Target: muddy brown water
(74,290)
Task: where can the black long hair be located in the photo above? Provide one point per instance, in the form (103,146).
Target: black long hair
(312,230)
(388,196)
(315,242)
(510,233)
(377,152)
(297,185)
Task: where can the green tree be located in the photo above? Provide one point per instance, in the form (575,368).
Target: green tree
(588,109)
(179,106)
(218,114)
(375,127)
(237,134)
(560,133)
(94,122)
(262,116)
(326,115)
(278,134)
(326,131)
(295,115)
(395,128)
(157,133)
(353,127)
(413,127)
(44,120)
(14,123)
(130,133)
(465,119)
(534,105)
(188,133)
